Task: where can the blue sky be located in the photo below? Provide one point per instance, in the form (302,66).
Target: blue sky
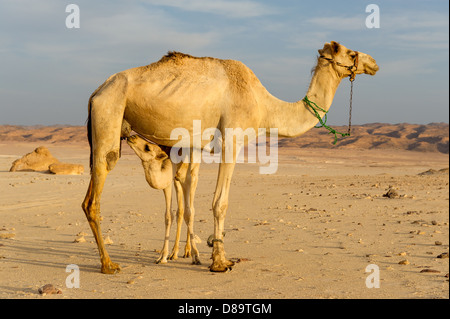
(47,71)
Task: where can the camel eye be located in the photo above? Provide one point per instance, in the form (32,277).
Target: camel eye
(147,148)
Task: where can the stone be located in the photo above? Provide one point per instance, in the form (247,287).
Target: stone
(49,289)
(391,193)
(430,270)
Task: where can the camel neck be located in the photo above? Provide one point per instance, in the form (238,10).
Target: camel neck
(294,119)
(157,173)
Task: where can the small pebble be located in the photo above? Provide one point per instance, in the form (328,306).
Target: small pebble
(430,270)
(7,235)
(108,241)
(49,289)
(391,193)
(80,239)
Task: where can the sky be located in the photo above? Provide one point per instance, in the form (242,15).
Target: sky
(48,71)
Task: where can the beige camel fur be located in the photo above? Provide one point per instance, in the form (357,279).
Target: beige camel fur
(160,172)
(41,160)
(66,169)
(173,92)
(38,160)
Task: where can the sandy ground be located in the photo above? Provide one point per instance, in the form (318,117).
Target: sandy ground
(308,231)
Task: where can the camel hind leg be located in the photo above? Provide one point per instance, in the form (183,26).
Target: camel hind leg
(91,207)
(106,109)
(168,222)
(190,188)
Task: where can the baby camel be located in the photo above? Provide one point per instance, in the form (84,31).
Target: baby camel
(160,171)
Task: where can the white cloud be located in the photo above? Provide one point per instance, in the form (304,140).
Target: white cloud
(231,9)
(410,20)
(49,65)
(338,23)
(417,30)
(401,67)
(115,32)
(399,30)
(138,28)
(424,40)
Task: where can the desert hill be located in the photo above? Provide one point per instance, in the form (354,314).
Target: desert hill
(432,137)
(39,133)
(413,137)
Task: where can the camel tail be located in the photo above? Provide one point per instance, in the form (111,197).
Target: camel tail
(89,130)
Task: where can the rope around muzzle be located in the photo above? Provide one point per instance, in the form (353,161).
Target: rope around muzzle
(323,121)
(315,108)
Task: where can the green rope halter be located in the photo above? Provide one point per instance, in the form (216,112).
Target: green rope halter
(323,121)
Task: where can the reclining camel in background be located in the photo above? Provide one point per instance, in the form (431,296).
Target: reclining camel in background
(160,172)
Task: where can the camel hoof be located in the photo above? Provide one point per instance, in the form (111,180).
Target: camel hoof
(161,261)
(221,267)
(110,268)
(196,261)
(187,254)
(173,257)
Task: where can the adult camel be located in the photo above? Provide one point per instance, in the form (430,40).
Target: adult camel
(177,90)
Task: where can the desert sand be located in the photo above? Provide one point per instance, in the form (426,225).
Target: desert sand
(308,231)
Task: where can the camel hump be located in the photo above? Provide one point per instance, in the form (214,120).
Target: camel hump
(179,57)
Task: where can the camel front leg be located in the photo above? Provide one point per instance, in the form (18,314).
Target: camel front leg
(180,213)
(220,205)
(168,222)
(91,207)
(188,246)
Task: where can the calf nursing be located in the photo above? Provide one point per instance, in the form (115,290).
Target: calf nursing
(160,172)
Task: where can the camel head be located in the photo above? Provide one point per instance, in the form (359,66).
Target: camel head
(146,151)
(347,62)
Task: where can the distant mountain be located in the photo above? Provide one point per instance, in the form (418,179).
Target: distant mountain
(432,137)
(48,134)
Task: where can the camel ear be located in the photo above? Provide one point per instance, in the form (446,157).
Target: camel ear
(326,51)
(335,47)
(161,156)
